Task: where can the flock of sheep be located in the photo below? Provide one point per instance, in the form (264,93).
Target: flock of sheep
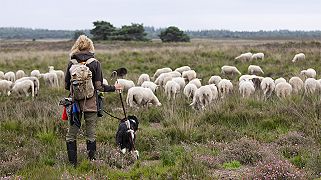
(182,79)
(22,85)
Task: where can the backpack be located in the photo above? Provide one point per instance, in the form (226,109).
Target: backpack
(81,80)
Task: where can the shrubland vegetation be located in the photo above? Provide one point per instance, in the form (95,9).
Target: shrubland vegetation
(233,138)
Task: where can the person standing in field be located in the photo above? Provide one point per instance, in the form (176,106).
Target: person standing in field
(83,63)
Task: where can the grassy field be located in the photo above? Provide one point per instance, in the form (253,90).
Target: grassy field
(233,138)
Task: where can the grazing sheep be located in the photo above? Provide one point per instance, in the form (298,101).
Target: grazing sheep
(189,75)
(245,56)
(150,85)
(296,83)
(214,91)
(245,76)
(246,88)
(127,84)
(253,69)
(230,70)
(203,97)
(311,86)
(20,74)
(164,77)
(180,81)
(197,82)
(1,75)
(5,87)
(283,89)
(35,73)
(257,56)
(182,69)
(267,86)
(35,82)
(279,80)
(298,57)
(160,79)
(309,73)
(51,79)
(60,75)
(160,71)
(172,88)
(189,90)
(214,80)
(10,76)
(142,78)
(24,87)
(224,87)
(139,96)
(105,82)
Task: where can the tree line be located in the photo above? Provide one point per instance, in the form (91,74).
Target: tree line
(137,32)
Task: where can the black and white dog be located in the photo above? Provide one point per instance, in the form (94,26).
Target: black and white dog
(125,136)
(118,73)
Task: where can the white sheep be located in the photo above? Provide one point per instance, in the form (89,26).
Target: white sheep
(24,87)
(140,96)
(160,71)
(296,83)
(267,86)
(197,82)
(203,97)
(309,73)
(224,87)
(180,81)
(35,73)
(246,88)
(127,84)
(60,75)
(10,76)
(150,85)
(254,69)
(189,90)
(1,75)
(279,80)
(51,79)
(35,82)
(164,77)
(214,91)
(182,69)
(230,70)
(245,76)
(172,88)
(245,56)
(298,57)
(257,56)
(20,74)
(283,89)
(214,80)
(189,75)
(142,78)
(311,86)
(105,82)
(5,87)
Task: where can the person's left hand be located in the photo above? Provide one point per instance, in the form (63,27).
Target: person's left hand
(118,87)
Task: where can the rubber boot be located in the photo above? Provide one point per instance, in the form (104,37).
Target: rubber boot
(91,149)
(72,152)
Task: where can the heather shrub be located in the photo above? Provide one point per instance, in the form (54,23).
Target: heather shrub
(276,169)
(244,150)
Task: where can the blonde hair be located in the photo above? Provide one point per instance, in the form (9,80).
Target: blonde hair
(83,43)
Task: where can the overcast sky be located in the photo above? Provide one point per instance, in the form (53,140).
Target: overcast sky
(249,15)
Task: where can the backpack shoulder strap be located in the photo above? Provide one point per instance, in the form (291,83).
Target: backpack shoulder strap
(74,61)
(90,60)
